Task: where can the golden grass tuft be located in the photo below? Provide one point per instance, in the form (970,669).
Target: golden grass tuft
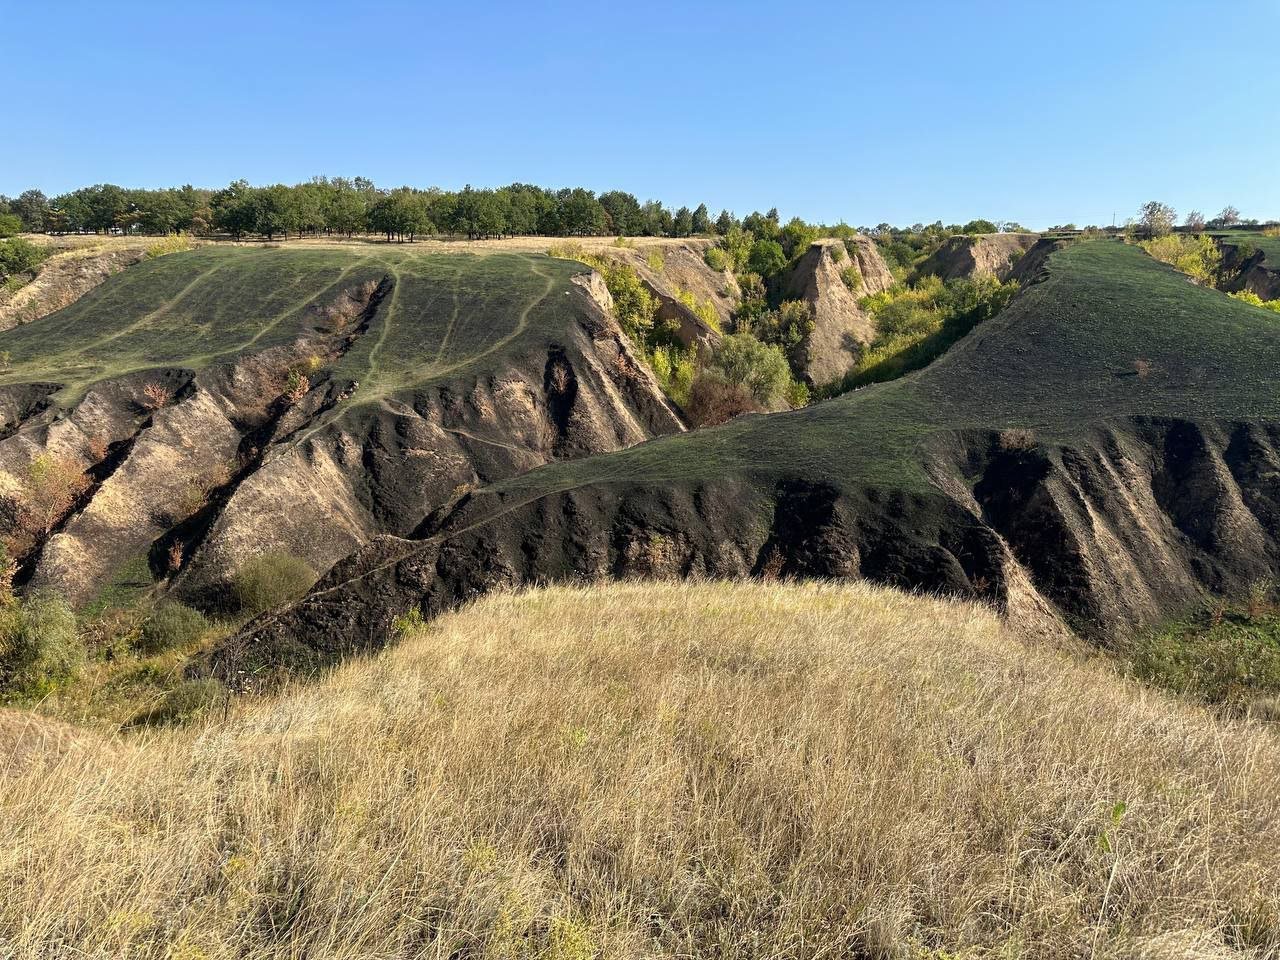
(665,769)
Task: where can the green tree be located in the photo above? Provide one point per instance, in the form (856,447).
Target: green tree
(33,207)
(761,368)
(623,210)
(10,224)
(725,222)
(275,211)
(683,222)
(767,258)
(1156,219)
(701,220)
(979,226)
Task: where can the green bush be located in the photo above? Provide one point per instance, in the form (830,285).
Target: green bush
(10,225)
(171,625)
(189,701)
(1224,658)
(1198,257)
(852,278)
(1251,298)
(742,360)
(786,328)
(767,258)
(674,369)
(269,580)
(716,258)
(40,647)
(19,256)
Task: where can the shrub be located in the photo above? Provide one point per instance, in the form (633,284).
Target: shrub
(1271,231)
(716,258)
(837,252)
(787,327)
(1224,658)
(1198,257)
(634,307)
(656,261)
(170,243)
(189,701)
(704,310)
(155,395)
(39,645)
(714,400)
(1017,440)
(1249,297)
(852,278)
(171,625)
(269,580)
(18,256)
(767,258)
(674,369)
(10,225)
(760,368)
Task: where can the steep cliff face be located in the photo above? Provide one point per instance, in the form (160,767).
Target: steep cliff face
(1251,268)
(1099,456)
(353,398)
(984,255)
(831,276)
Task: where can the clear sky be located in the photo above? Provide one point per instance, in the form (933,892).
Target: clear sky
(892,111)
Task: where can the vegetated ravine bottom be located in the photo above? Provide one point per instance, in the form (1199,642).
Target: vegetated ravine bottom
(1096,457)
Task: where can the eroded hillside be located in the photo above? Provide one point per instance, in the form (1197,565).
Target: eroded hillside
(206,407)
(1101,453)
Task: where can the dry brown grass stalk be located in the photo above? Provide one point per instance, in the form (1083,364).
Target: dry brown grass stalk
(763,770)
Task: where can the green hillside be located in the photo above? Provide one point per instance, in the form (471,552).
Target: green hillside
(1110,333)
(194,309)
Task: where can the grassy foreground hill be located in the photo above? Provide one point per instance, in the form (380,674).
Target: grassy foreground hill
(707,769)
(1103,452)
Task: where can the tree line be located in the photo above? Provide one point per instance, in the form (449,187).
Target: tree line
(337,206)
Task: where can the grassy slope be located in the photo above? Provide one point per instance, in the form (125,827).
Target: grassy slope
(1270,246)
(193,309)
(657,770)
(1059,359)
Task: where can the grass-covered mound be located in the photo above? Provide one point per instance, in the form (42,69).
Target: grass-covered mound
(190,310)
(667,770)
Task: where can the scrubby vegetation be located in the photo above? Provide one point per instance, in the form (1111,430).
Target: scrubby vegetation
(170,625)
(19,261)
(269,580)
(917,323)
(172,243)
(665,770)
(39,646)
(1195,255)
(1251,298)
(1226,656)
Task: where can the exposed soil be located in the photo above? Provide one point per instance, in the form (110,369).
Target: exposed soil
(226,466)
(67,276)
(841,328)
(984,255)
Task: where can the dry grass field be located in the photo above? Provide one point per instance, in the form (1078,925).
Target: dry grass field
(710,770)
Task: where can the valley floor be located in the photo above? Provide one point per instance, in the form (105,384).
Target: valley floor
(702,769)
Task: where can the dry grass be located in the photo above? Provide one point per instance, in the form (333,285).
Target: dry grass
(707,770)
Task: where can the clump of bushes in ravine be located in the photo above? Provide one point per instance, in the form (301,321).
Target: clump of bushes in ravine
(40,646)
(19,261)
(917,323)
(1227,655)
(170,625)
(269,580)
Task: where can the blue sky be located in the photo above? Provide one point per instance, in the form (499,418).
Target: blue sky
(867,112)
